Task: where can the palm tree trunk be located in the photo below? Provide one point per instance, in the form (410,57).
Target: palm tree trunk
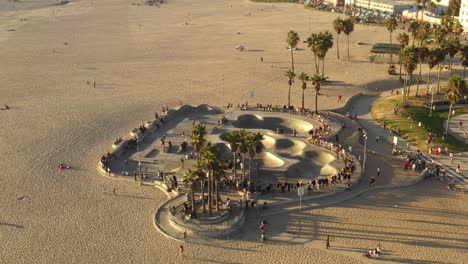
(450,66)
(323,68)
(348,48)
(404,88)
(250,169)
(337,47)
(448,119)
(210,191)
(419,79)
(409,86)
(432,101)
(316,65)
(243,166)
(438,77)
(464,68)
(292,60)
(289,96)
(217,195)
(428,81)
(192,199)
(235,165)
(203,195)
(303,90)
(391,54)
(316,101)
(400,70)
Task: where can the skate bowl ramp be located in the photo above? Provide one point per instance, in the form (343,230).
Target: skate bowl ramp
(291,146)
(272,123)
(270,161)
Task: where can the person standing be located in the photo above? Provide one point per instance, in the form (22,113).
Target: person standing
(458,168)
(378,172)
(451,157)
(328,242)
(181,248)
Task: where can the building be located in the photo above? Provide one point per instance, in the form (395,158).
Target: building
(391,7)
(463,16)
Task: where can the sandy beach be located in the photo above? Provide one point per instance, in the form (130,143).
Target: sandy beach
(143,58)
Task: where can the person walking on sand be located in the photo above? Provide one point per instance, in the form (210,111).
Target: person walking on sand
(261,59)
(181,248)
(458,169)
(113,191)
(378,172)
(328,242)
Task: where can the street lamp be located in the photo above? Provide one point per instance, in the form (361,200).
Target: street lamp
(365,148)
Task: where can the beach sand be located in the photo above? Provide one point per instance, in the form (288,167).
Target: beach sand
(143,58)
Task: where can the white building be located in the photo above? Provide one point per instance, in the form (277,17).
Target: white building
(391,7)
(463,16)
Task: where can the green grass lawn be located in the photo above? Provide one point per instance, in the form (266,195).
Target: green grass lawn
(382,111)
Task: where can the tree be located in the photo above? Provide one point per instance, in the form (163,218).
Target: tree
(413,29)
(316,79)
(233,138)
(454,7)
(191,178)
(200,169)
(326,42)
(304,78)
(423,2)
(258,138)
(403,40)
(418,2)
(210,156)
(391,25)
(456,90)
(219,170)
(338,27)
(452,45)
(441,66)
(464,58)
(290,74)
(348,27)
(423,32)
(251,150)
(292,40)
(313,42)
(435,57)
(422,53)
(197,135)
(410,60)
(243,148)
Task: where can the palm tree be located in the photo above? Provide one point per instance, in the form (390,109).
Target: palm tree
(456,90)
(249,140)
(191,178)
(197,135)
(313,42)
(233,138)
(348,27)
(391,25)
(422,53)
(292,40)
(243,149)
(452,45)
(290,74)
(464,58)
(326,43)
(417,8)
(219,170)
(316,79)
(210,156)
(413,29)
(338,27)
(423,2)
(258,138)
(441,66)
(435,57)
(304,78)
(200,169)
(423,32)
(403,39)
(410,60)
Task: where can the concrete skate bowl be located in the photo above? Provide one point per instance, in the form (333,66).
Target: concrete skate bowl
(269,160)
(272,123)
(309,168)
(189,110)
(289,146)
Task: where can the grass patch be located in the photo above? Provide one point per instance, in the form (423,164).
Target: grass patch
(382,111)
